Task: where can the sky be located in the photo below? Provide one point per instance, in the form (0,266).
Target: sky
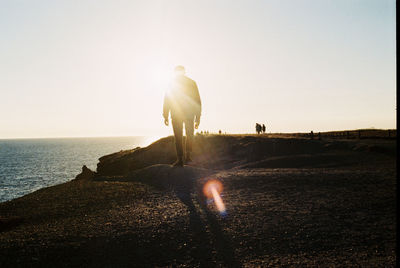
(100,68)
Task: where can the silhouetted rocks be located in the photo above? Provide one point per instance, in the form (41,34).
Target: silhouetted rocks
(86,174)
(216,152)
(122,163)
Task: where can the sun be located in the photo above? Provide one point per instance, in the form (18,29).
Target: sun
(161,77)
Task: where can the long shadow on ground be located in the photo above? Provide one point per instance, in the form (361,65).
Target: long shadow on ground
(208,244)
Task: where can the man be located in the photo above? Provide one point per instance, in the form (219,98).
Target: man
(258,128)
(183,102)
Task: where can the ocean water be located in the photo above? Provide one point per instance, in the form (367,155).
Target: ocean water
(27,165)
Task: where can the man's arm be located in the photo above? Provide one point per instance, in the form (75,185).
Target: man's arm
(197,103)
(197,100)
(166,108)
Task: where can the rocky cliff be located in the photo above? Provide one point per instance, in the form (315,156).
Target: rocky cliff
(221,152)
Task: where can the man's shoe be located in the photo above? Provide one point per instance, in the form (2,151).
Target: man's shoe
(178,163)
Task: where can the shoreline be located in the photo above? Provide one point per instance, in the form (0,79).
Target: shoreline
(340,136)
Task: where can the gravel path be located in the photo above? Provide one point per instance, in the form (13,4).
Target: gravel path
(275,217)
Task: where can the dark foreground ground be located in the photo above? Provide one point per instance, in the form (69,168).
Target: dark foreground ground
(290,202)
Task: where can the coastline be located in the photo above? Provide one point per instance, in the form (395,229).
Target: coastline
(27,165)
(289,200)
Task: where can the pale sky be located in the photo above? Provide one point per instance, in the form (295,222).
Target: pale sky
(100,68)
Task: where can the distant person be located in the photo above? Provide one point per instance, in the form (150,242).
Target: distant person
(263,128)
(183,102)
(258,128)
(220,132)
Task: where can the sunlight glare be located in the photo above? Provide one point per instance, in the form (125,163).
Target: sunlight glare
(212,189)
(161,77)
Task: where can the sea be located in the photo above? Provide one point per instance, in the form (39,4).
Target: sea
(27,165)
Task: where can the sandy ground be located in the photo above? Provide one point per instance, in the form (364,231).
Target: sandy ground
(304,216)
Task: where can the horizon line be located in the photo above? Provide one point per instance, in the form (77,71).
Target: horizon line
(216,132)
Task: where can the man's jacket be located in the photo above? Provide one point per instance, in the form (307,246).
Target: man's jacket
(182,100)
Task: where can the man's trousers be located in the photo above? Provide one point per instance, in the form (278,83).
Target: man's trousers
(177,125)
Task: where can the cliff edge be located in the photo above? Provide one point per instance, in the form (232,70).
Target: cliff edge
(289,202)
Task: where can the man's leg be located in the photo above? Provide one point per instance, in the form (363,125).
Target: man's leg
(177,126)
(189,129)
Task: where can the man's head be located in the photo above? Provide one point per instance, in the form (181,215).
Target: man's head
(179,70)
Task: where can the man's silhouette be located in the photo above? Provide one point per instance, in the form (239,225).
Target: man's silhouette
(258,128)
(183,102)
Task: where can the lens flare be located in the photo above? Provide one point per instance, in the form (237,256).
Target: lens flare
(212,190)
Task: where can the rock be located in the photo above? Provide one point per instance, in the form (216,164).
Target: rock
(86,174)
(216,152)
